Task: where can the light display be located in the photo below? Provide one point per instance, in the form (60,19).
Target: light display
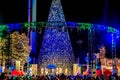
(102,55)
(102,52)
(78,25)
(34,69)
(56,46)
(3,27)
(19,47)
(85,26)
(2,49)
(75,67)
(18,65)
(56,16)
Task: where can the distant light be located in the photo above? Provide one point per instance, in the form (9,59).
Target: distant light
(79,65)
(29,59)
(112,40)
(111,34)
(87,59)
(11,67)
(118,36)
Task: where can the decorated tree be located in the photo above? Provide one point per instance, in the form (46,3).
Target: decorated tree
(19,47)
(2,49)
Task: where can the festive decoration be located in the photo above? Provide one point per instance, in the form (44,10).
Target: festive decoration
(76,69)
(34,69)
(51,66)
(56,47)
(17,65)
(19,47)
(2,49)
(40,25)
(2,44)
(102,52)
(78,25)
(3,27)
(56,15)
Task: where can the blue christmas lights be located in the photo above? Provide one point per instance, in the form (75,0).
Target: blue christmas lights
(56,45)
(56,16)
(77,25)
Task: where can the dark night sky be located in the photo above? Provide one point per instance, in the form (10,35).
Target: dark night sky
(93,11)
(74,10)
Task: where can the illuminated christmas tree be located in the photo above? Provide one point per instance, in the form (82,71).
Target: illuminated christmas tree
(19,47)
(2,49)
(56,46)
(14,47)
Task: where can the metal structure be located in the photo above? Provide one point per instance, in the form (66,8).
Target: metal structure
(115,62)
(78,25)
(32,34)
(114,49)
(91,47)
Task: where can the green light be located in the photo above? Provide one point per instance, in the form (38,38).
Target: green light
(26,25)
(2,28)
(43,24)
(112,30)
(109,29)
(88,26)
(1,34)
(33,24)
(85,26)
(82,26)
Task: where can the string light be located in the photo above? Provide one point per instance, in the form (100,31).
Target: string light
(19,46)
(78,25)
(3,49)
(56,46)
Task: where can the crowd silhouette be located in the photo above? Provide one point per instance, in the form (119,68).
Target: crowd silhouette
(5,76)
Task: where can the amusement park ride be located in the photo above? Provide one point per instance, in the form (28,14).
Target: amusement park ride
(56,22)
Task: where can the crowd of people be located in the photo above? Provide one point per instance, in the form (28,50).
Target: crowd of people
(4,76)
